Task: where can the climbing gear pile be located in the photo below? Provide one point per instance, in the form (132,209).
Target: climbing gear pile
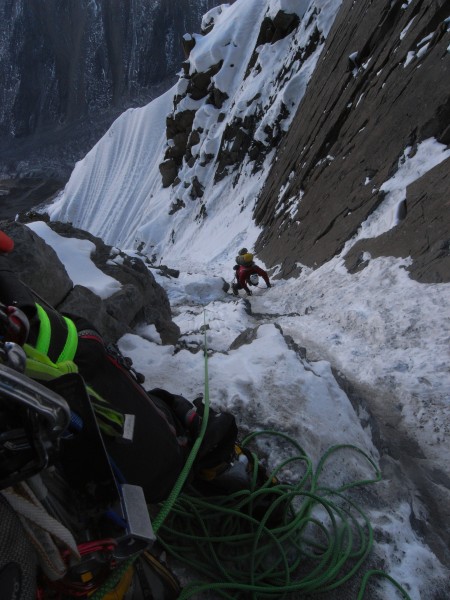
(59,491)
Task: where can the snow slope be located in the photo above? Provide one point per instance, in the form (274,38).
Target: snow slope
(350,322)
(384,332)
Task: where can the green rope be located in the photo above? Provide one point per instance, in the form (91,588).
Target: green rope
(168,505)
(272,540)
(319,540)
(383,575)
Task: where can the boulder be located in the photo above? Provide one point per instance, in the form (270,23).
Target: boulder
(169,171)
(140,300)
(37,264)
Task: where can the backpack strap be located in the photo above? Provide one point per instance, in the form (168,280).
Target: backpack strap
(110,421)
(40,367)
(60,341)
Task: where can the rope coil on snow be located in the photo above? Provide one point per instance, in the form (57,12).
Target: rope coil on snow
(243,556)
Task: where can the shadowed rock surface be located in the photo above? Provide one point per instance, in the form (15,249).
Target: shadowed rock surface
(68,69)
(380,88)
(140,299)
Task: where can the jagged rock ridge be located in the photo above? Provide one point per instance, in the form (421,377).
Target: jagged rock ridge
(236,127)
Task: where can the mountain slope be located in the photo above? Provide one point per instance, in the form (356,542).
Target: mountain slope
(378,104)
(216,152)
(343,159)
(365,116)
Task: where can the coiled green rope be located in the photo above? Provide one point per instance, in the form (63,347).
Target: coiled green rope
(272,540)
(319,540)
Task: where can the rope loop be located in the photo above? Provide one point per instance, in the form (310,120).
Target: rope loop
(274,539)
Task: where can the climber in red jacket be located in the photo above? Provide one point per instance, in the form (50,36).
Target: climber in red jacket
(245,273)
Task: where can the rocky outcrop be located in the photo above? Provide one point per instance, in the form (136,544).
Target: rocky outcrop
(229,139)
(380,91)
(178,128)
(68,69)
(423,233)
(140,299)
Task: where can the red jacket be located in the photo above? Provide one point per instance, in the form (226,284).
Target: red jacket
(243,274)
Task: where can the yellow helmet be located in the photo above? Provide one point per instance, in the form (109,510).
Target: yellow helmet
(248,257)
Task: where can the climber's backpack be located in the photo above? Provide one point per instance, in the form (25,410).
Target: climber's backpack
(57,489)
(221,431)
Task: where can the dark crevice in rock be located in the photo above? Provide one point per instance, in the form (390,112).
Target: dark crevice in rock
(199,83)
(176,206)
(273,316)
(272,31)
(238,143)
(438,125)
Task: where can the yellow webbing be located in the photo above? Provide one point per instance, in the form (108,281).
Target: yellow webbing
(40,367)
(45,330)
(70,347)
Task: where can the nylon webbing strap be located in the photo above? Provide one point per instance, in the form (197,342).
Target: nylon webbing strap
(70,347)
(45,330)
(45,336)
(39,366)
(110,421)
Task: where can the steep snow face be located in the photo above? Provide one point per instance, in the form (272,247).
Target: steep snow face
(111,187)
(385,332)
(264,83)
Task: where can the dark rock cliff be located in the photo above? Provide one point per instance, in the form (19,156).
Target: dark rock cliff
(381,87)
(69,68)
(140,300)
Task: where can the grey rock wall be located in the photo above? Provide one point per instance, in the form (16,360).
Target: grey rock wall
(381,86)
(139,301)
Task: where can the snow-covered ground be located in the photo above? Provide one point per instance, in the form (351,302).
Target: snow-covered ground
(385,333)
(379,328)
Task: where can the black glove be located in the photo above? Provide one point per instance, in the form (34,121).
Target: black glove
(249,293)
(269,285)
